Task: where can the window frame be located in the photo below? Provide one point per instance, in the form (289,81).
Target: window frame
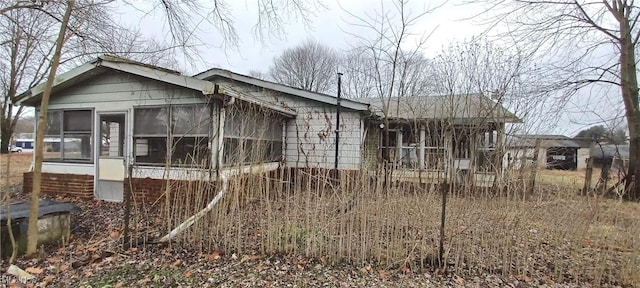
(246,143)
(63,133)
(171,137)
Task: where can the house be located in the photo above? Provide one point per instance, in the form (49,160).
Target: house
(551,151)
(431,137)
(112,113)
(124,125)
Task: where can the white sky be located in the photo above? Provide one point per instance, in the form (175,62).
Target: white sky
(330,26)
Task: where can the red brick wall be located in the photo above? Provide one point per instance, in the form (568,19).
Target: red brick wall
(148,190)
(72,185)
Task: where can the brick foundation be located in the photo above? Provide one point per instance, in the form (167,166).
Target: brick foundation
(149,190)
(72,185)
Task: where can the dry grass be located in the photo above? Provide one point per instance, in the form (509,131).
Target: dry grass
(552,234)
(20,163)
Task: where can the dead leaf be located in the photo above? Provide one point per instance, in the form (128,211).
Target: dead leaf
(523,278)
(47,280)
(177,263)
(54,259)
(384,273)
(115,235)
(215,255)
(249,258)
(187,274)
(459,280)
(34,270)
(405,269)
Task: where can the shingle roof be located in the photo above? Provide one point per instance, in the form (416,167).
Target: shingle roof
(469,107)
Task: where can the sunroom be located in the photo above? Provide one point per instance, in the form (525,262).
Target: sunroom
(117,121)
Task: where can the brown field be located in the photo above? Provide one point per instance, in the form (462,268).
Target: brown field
(18,164)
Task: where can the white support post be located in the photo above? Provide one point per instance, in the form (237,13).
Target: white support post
(422,148)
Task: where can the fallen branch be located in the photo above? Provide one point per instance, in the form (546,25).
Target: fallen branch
(186,224)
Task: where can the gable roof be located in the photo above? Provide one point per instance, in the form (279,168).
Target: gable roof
(456,108)
(104,63)
(314,96)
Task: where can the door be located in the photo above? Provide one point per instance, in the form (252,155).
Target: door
(111,156)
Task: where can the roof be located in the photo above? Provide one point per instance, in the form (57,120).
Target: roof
(247,97)
(106,62)
(457,108)
(611,150)
(310,95)
(544,141)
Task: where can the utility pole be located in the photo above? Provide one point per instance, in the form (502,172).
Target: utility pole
(338,125)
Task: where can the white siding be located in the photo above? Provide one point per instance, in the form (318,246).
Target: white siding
(583,156)
(311,135)
(68,168)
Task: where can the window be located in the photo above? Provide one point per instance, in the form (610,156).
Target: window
(486,158)
(68,135)
(180,132)
(252,135)
(112,135)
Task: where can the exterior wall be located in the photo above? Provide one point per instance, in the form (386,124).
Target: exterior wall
(72,185)
(583,156)
(310,137)
(114,91)
(149,191)
(518,155)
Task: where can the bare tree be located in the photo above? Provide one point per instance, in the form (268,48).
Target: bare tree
(589,43)
(391,29)
(310,66)
(26,51)
(358,80)
(23,61)
(32,231)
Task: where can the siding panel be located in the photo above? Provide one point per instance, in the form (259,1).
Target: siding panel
(310,137)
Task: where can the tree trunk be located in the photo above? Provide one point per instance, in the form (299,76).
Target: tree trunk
(629,87)
(32,232)
(5,134)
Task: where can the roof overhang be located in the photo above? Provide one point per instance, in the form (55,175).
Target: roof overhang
(314,96)
(104,63)
(228,91)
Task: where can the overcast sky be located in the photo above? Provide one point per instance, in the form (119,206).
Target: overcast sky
(331,26)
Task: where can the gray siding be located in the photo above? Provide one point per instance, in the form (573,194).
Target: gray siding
(310,137)
(119,91)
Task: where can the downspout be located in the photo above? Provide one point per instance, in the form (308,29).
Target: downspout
(338,124)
